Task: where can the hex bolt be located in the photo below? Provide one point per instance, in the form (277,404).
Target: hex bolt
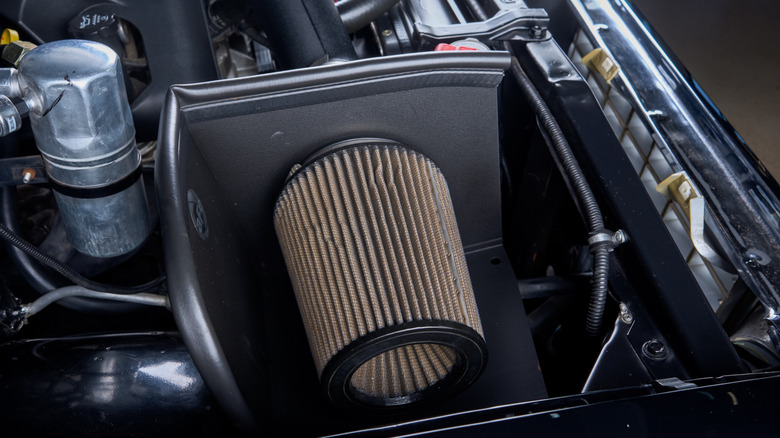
(15,51)
(537,31)
(654,350)
(28,175)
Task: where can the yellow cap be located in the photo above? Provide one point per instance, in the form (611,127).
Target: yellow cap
(9,36)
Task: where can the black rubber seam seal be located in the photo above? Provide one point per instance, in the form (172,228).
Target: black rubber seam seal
(98,192)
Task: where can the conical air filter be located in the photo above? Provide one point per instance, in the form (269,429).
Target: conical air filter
(373,250)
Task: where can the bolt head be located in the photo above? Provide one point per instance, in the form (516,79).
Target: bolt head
(655,350)
(15,51)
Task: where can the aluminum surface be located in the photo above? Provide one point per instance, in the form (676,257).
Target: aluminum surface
(84,129)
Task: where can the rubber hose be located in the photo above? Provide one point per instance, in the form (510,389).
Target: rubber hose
(303,33)
(357,14)
(593,217)
(71,274)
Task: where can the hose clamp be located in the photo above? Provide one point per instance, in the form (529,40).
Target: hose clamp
(606,238)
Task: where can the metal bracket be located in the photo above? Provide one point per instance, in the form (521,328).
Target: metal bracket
(672,384)
(519,24)
(22,170)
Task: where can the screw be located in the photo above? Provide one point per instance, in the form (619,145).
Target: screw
(537,31)
(625,314)
(755,258)
(654,349)
(28,175)
(619,237)
(387,32)
(752,259)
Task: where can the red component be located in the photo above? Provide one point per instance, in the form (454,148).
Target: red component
(445,47)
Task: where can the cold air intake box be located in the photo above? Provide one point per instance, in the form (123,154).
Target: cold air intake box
(389,239)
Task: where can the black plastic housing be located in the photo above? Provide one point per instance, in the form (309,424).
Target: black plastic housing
(226,150)
(174,32)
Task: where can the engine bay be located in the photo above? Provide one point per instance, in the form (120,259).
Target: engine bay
(375,218)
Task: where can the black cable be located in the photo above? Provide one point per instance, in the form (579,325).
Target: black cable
(595,221)
(598,296)
(357,14)
(35,275)
(583,192)
(593,217)
(477,10)
(71,274)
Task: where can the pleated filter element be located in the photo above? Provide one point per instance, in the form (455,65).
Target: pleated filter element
(374,254)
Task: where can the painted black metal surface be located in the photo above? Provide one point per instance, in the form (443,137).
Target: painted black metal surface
(737,406)
(142,384)
(511,373)
(650,260)
(618,365)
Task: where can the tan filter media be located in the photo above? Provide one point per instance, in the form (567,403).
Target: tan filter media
(373,251)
